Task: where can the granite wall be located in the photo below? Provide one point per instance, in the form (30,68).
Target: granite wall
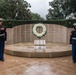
(23,33)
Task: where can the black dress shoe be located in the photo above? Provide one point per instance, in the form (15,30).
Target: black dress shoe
(74,61)
(2,60)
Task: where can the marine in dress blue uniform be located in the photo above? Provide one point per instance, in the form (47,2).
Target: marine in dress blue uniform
(3,36)
(73,42)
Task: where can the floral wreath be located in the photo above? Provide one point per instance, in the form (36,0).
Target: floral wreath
(39,35)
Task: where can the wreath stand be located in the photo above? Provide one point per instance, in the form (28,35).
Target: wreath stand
(39,44)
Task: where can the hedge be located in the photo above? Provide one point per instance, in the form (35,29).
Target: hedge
(12,23)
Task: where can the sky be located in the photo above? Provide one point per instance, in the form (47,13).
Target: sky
(39,6)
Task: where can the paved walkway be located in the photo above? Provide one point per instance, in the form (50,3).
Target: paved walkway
(37,66)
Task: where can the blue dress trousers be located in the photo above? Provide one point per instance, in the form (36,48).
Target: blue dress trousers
(3,36)
(73,42)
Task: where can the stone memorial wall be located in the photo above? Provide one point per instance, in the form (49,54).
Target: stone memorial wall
(23,33)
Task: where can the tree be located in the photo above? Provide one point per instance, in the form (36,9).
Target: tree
(15,9)
(36,16)
(59,9)
(66,7)
(73,5)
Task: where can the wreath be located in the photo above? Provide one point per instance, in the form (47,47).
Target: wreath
(39,35)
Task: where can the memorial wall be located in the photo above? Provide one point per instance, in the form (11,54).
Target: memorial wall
(23,33)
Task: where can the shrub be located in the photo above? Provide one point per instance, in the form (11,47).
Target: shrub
(12,23)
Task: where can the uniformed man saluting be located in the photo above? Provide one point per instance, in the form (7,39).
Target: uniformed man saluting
(73,42)
(3,36)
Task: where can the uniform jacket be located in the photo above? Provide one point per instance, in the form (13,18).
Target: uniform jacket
(73,37)
(3,34)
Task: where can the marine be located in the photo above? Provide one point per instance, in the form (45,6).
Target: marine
(73,43)
(3,37)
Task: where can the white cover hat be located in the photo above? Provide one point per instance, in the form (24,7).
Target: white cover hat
(1,19)
(74,24)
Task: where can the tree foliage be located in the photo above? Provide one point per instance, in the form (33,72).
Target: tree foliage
(73,5)
(36,16)
(15,9)
(60,9)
